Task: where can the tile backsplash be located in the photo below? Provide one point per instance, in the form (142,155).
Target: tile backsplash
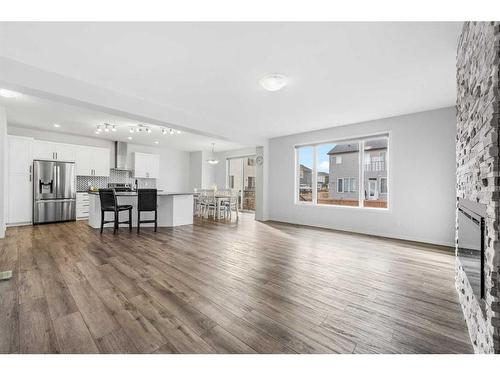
(84,182)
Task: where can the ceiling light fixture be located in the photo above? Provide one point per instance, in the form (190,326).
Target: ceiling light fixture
(98,129)
(156,142)
(163,131)
(9,94)
(129,138)
(172,131)
(273,82)
(57,126)
(212,160)
(178,131)
(113,128)
(106,128)
(148,130)
(131,130)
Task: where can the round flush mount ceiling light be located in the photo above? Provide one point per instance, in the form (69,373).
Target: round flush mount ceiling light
(57,126)
(273,82)
(9,94)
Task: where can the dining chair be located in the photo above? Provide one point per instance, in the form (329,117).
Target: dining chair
(224,200)
(109,204)
(208,202)
(147,201)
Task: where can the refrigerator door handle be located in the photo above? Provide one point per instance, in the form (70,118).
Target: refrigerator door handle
(56,176)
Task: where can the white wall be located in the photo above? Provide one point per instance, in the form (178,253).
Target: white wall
(174,167)
(195,170)
(421,181)
(174,164)
(3,170)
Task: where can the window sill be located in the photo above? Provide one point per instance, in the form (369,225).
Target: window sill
(377,209)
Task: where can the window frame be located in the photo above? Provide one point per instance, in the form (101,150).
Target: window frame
(386,186)
(341,180)
(360,179)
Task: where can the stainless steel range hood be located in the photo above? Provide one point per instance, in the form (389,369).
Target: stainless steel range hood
(121,156)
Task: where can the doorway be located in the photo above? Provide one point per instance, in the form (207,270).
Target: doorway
(372,189)
(241,176)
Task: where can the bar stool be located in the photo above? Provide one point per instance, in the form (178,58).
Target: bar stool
(109,204)
(147,200)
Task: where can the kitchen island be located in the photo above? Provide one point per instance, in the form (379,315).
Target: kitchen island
(174,209)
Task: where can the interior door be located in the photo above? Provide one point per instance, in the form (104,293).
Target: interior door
(19,188)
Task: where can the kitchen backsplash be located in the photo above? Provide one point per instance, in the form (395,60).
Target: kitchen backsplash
(84,182)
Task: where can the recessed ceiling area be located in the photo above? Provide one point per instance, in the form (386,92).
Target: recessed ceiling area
(338,72)
(33,112)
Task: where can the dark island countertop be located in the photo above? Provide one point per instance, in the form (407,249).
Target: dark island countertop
(134,193)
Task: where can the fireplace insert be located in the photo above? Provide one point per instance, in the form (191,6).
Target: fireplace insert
(471,243)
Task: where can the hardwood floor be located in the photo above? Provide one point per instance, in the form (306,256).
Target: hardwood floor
(245,287)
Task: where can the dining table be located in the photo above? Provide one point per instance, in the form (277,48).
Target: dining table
(219,198)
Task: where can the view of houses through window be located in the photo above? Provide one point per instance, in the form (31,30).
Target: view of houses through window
(242,178)
(351,173)
(305,155)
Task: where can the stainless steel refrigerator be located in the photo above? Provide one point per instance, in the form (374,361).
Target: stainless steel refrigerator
(54,191)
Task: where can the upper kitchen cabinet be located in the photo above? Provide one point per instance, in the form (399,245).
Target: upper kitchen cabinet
(43,150)
(145,165)
(92,161)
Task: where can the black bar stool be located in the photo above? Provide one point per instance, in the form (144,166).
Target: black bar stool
(109,204)
(147,201)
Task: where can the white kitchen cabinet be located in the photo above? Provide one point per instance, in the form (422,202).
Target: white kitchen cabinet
(44,150)
(65,152)
(92,161)
(83,161)
(19,180)
(145,165)
(100,161)
(82,205)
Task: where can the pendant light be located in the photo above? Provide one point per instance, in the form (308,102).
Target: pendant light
(212,160)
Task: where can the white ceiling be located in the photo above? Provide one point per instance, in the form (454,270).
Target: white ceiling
(339,73)
(34,112)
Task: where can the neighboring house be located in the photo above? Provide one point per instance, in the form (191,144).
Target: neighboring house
(322,180)
(236,175)
(344,170)
(305,177)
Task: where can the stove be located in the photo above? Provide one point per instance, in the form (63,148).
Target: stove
(120,186)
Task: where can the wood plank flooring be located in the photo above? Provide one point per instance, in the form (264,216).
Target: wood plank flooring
(238,287)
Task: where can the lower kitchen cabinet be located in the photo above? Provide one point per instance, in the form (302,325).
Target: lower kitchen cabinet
(82,205)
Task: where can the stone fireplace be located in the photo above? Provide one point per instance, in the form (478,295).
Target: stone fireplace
(478,171)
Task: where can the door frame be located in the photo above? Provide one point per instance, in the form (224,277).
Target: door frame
(241,188)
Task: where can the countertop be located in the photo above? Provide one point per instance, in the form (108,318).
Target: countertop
(134,193)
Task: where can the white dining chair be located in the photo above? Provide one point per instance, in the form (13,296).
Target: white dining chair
(207,202)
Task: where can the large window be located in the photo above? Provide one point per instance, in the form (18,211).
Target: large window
(345,173)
